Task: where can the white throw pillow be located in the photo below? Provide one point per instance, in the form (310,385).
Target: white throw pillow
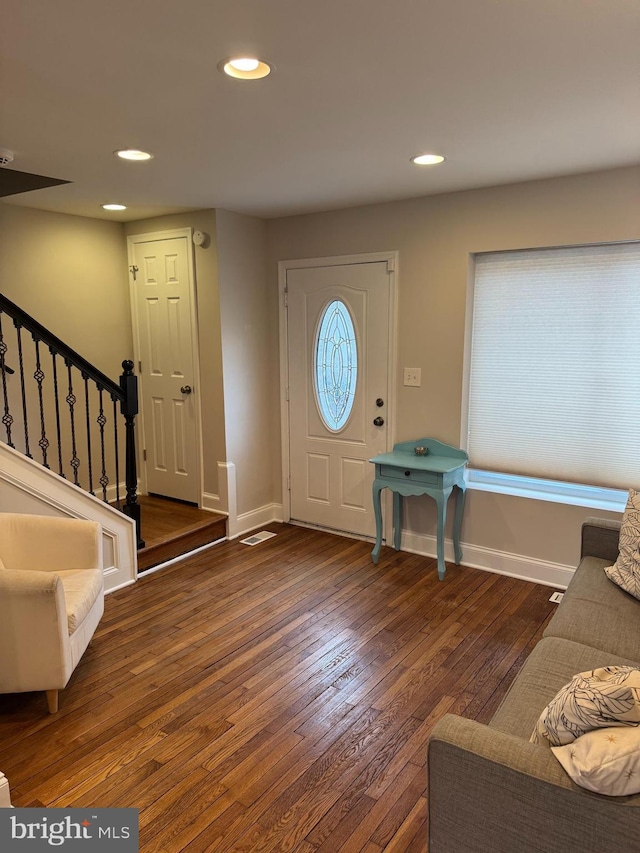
(609,696)
(606,761)
(626,570)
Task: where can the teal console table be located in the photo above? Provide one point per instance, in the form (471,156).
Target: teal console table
(436,474)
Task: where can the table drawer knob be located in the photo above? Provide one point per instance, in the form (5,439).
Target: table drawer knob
(407,473)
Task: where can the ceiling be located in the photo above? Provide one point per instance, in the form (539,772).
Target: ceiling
(507,90)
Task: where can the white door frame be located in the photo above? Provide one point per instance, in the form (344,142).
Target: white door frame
(132,240)
(391,259)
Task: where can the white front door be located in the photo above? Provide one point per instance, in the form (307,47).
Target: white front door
(338,367)
(164,325)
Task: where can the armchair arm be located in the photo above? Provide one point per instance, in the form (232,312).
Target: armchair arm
(491,792)
(34,636)
(46,543)
(600,539)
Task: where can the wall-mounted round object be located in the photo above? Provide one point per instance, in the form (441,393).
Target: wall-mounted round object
(200,238)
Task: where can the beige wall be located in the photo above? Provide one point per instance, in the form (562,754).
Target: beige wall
(250,346)
(208,307)
(435,236)
(66,271)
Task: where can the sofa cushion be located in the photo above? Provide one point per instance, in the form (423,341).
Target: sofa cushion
(606,761)
(81,588)
(549,667)
(607,696)
(596,612)
(625,572)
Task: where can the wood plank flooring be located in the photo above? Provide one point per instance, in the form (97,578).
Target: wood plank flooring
(171,528)
(274,698)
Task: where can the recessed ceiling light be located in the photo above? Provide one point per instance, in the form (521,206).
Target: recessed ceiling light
(245,68)
(427,159)
(133,154)
(114,206)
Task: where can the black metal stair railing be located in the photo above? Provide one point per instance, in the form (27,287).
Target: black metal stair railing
(59,406)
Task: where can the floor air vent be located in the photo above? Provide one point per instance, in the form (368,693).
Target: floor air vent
(256,538)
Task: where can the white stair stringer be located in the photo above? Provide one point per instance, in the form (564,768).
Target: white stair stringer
(26,486)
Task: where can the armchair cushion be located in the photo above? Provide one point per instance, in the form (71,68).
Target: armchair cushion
(81,588)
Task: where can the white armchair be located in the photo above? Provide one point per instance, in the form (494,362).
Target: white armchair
(51,600)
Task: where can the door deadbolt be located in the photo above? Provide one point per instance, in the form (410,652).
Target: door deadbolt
(186,389)
(379,402)
(378,421)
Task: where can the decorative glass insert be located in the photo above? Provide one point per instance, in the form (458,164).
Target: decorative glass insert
(336,365)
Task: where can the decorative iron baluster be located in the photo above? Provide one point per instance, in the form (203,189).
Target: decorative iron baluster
(88,416)
(39,377)
(101,420)
(27,450)
(71,402)
(7,417)
(115,440)
(57,407)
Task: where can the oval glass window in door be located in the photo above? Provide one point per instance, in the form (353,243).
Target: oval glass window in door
(336,365)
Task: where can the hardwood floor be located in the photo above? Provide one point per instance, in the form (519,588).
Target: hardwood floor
(274,698)
(171,528)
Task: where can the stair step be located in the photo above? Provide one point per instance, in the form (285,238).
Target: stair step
(182,542)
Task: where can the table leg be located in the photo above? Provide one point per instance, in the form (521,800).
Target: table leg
(441,499)
(457,524)
(377,511)
(397,519)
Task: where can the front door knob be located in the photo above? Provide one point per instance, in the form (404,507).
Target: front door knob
(378,421)
(186,389)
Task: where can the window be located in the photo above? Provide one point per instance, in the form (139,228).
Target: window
(336,365)
(554,368)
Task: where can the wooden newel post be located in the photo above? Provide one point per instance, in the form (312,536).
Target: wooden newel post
(129,409)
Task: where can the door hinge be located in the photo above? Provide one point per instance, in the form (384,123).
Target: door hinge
(288,484)
(286,393)
(285,293)
(144,455)
(391,264)
(139,367)
(134,271)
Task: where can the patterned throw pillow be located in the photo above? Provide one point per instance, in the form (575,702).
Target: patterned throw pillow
(609,696)
(626,570)
(606,761)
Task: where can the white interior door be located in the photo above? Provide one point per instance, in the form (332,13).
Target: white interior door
(338,368)
(164,319)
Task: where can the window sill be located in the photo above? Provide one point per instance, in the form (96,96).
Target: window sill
(595,497)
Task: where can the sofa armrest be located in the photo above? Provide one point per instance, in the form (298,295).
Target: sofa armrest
(49,544)
(491,792)
(34,636)
(600,538)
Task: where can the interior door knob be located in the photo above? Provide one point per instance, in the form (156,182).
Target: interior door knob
(378,421)
(186,389)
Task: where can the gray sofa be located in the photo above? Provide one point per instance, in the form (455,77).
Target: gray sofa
(490,789)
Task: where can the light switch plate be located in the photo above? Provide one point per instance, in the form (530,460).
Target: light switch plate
(413,376)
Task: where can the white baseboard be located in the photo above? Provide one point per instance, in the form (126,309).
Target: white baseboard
(499,562)
(213,503)
(248,521)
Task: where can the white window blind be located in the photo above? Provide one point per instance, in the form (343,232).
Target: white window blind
(555,364)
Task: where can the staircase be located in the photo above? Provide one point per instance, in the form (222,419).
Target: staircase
(63,415)
(60,411)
